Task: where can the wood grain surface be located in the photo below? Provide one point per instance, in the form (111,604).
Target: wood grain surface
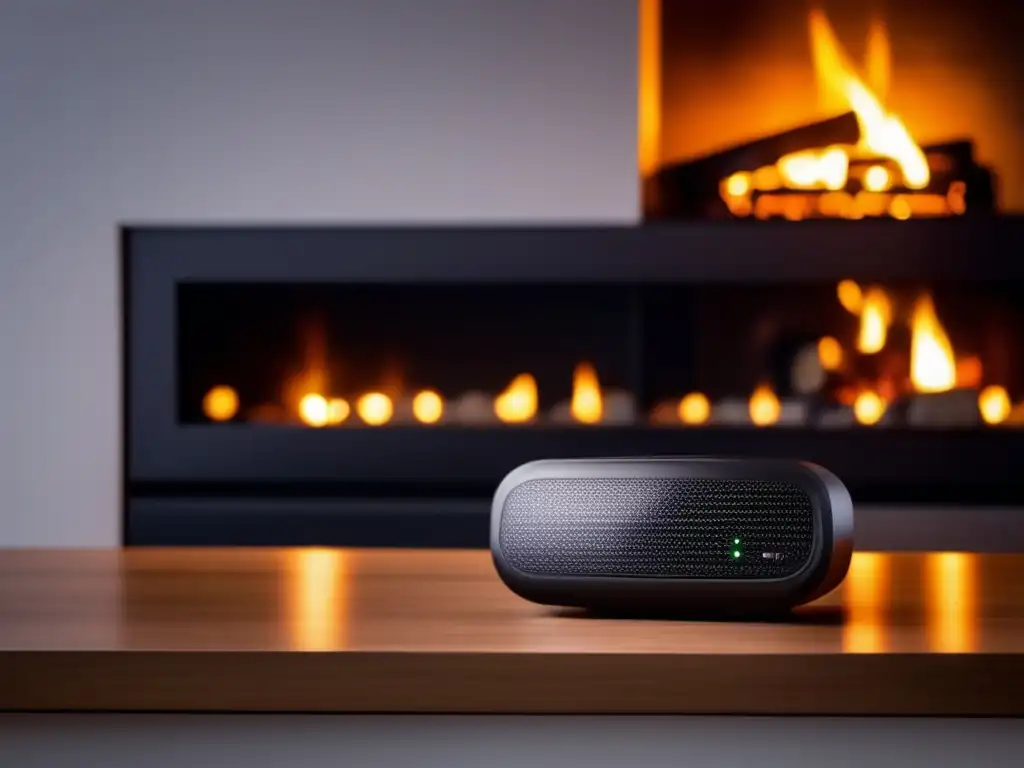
(310,630)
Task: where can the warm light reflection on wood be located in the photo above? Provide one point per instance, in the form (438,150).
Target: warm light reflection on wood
(319,599)
(951,583)
(865,598)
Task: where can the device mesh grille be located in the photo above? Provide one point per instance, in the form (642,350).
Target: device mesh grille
(654,527)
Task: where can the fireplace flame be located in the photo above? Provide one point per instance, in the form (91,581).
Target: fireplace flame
(994,404)
(830,353)
(314,410)
(220,403)
(338,410)
(882,133)
(875,317)
(850,296)
(694,408)
(932,362)
(427,407)
(764,406)
(518,402)
(879,59)
(586,405)
(812,169)
(375,408)
(868,408)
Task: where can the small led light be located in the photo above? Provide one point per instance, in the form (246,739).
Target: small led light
(735,541)
(735,554)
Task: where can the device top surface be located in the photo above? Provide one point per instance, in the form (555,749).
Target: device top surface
(429,630)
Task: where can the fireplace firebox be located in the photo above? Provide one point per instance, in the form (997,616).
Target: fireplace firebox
(829,269)
(365,385)
(794,110)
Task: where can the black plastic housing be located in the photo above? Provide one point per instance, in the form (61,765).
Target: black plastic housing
(823,571)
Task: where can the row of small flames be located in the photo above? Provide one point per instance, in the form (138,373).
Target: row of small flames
(934,368)
(517,404)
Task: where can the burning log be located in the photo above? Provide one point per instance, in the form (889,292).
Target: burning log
(954,173)
(690,188)
(861,187)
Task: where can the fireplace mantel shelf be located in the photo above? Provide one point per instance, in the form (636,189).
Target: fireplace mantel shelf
(435,631)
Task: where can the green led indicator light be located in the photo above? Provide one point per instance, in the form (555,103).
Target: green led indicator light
(736,549)
(735,541)
(735,554)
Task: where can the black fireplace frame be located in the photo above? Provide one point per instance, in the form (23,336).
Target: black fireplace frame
(171,468)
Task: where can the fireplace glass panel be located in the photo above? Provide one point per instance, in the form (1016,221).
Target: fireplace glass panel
(799,356)
(934,93)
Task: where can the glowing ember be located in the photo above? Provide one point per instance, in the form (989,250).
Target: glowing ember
(518,403)
(868,408)
(220,403)
(694,408)
(764,406)
(375,408)
(586,395)
(994,404)
(427,407)
(932,363)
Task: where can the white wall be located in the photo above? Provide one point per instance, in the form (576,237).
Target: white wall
(262,110)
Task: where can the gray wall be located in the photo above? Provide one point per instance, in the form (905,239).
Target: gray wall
(262,111)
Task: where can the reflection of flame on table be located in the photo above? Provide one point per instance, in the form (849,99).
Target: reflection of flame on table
(318,599)
(951,582)
(865,600)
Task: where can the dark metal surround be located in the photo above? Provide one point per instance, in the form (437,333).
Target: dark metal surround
(167,463)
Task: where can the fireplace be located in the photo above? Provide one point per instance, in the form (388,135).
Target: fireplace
(829,269)
(794,110)
(371,385)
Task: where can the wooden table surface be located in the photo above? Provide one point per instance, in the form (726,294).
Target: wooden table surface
(435,631)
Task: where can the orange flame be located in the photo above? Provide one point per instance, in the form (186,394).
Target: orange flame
(932,363)
(875,316)
(868,408)
(314,410)
(694,408)
(882,133)
(586,405)
(764,407)
(220,403)
(830,353)
(375,408)
(338,410)
(879,59)
(814,169)
(427,407)
(994,405)
(518,402)
(850,296)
